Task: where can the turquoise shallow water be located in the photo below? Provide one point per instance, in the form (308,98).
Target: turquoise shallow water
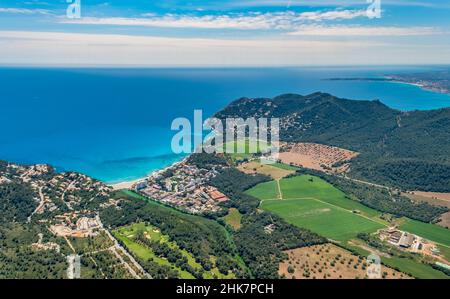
(114,124)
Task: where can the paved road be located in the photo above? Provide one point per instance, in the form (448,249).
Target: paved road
(41,204)
(64,194)
(118,247)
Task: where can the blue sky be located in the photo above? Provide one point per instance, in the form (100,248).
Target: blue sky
(231,33)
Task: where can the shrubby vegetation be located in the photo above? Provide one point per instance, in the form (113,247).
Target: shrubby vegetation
(442,269)
(407,150)
(19,260)
(159,271)
(201,237)
(102,265)
(407,174)
(16,202)
(207,161)
(370,240)
(3,165)
(262,246)
(173,255)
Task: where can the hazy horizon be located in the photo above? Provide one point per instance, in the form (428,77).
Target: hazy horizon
(224,33)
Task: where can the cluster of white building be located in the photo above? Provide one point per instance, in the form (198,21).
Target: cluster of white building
(184,186)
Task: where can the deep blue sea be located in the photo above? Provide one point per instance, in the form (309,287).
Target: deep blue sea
(114,124)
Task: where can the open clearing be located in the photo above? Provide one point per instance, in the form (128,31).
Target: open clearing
(328,261)
(435,199)
(263,191)
(322,218)
(312,203)
(285,166)
(244,149)
(254,167)
(233,218)
(433,195)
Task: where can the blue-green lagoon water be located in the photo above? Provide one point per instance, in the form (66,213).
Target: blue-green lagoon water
(114,124)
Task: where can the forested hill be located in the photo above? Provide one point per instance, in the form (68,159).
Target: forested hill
(409,150)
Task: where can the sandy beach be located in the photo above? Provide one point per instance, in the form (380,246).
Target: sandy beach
(129,184)
(125,185)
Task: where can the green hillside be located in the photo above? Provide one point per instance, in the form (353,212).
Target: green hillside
(401,149)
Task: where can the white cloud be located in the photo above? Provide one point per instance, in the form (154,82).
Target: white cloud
(318,30)
(251,21)
(24,11)
(49,48)
(296,24)
(53,48)
(231,4)
(332,15)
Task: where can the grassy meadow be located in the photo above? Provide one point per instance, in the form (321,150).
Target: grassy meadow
(312,203)
(264,191)
(233,218)
(325,219)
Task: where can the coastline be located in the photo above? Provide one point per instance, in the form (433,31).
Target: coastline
(125,185)
(391,79)
(130,184)
(87,149)
(420,85)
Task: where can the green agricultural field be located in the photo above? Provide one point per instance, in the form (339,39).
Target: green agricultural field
(312,203)
(413,268)
(307,186)
(428,231)
(325,219)
(233,218)
(263,191)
